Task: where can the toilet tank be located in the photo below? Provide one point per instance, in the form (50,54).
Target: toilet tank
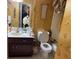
(43,36)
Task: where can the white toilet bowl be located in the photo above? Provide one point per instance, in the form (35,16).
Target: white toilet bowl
(46,47)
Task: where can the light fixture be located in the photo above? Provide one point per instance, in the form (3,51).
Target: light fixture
(18,0)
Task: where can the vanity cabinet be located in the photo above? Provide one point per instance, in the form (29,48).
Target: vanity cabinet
(18,46)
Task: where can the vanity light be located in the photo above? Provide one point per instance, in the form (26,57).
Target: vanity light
(18,0)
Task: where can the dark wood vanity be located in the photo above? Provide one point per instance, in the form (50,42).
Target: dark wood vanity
(20,46)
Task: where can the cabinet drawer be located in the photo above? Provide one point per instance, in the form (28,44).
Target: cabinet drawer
(24,41)
(20,40)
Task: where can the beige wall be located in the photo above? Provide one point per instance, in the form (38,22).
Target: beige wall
(64,42)
(37,21)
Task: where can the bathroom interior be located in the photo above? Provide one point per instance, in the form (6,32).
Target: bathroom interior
(38,29)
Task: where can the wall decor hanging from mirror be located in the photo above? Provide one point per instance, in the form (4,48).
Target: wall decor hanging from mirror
(59,5)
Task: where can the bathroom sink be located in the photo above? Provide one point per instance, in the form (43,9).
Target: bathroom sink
(16,33)
(20,33)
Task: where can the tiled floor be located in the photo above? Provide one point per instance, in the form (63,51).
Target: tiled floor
(37,56)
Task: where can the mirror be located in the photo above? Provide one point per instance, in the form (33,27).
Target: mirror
(19,14)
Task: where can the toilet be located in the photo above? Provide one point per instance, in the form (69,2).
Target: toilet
(46,48)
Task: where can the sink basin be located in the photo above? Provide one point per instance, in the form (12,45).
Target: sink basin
(20,33)
(16,33)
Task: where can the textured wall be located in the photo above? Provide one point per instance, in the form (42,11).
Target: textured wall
(38,22)
(64,42)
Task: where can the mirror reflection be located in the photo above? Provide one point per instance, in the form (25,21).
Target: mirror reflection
(25,15)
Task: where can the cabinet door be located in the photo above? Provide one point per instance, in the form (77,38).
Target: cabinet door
(20,47)
(21,50)
(11,50)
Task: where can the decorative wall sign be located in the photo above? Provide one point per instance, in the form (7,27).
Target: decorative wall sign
(44,11)
(14,12)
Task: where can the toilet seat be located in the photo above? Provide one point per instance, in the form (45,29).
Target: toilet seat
(46,48)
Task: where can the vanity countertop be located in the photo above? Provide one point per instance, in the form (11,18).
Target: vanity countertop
(28,34)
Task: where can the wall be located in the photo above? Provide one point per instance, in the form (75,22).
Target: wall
(37,21)
(64,42)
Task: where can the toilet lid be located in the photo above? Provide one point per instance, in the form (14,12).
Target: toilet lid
(44,37)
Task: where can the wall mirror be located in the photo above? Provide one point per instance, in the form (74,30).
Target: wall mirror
(19,13)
